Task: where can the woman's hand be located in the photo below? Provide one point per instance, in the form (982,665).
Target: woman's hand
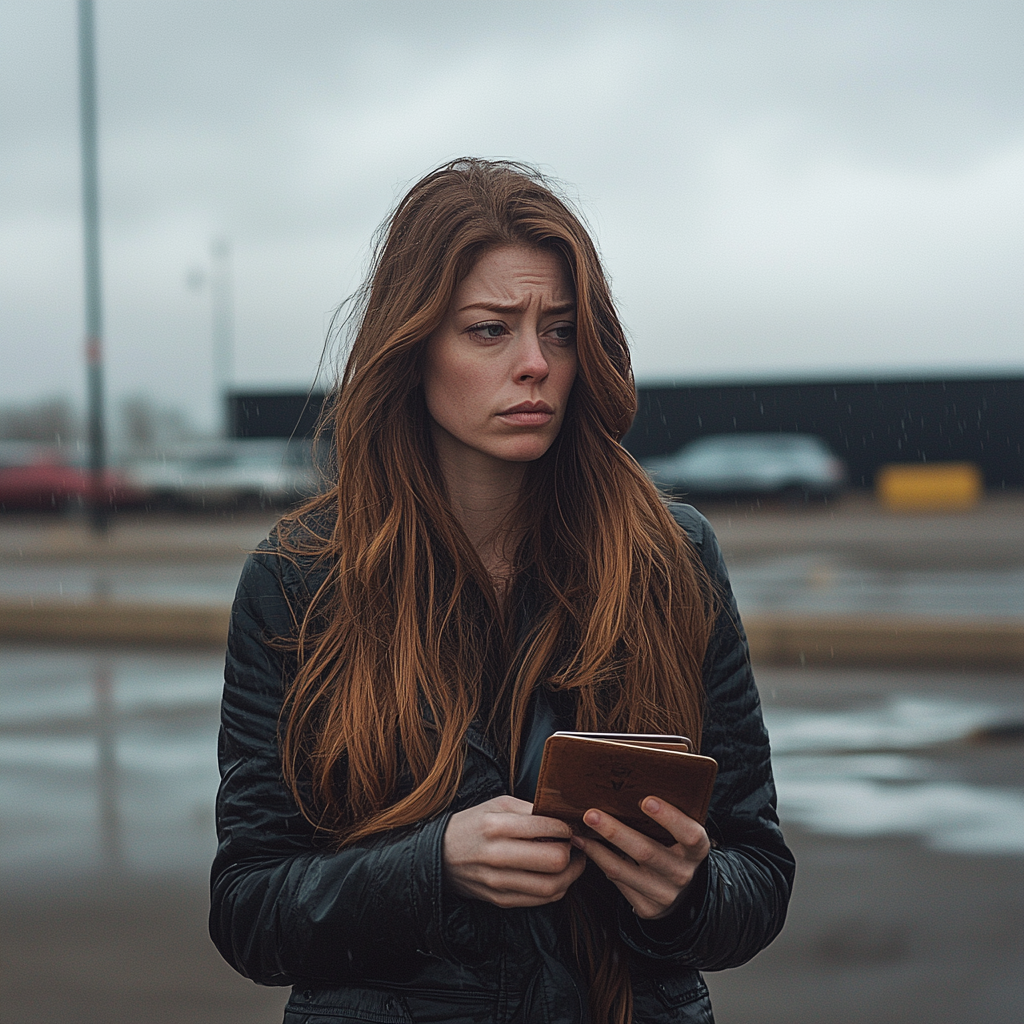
(651,876)
(500,852)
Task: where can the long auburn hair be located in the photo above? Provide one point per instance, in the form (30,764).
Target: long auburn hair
(393,647)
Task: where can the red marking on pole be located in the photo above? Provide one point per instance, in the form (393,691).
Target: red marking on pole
(93,350)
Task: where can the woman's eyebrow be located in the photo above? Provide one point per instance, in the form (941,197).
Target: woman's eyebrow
(518,307)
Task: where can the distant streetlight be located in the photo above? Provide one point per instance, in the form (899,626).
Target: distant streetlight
(222,311)
(93,291)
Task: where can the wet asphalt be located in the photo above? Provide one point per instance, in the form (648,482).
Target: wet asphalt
(902,794)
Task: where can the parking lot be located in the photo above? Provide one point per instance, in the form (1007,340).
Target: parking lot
(901,790)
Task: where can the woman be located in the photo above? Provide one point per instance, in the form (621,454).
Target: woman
(487,566)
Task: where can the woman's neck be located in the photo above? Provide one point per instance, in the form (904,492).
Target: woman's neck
(482,492)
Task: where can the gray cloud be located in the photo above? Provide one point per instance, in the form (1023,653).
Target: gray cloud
(777,188)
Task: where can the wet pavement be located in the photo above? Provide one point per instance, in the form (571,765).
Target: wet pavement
(847,558)
(817,583)
(196,583)
(107,762)
(107,759)
(903,794)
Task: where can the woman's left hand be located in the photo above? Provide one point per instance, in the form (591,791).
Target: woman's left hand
(650,875)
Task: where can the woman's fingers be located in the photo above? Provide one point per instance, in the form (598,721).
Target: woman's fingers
(651,876)
(507,887)
(680,826)
(500,852)
(527,855)
(649,891)
(686,832)
(506,816)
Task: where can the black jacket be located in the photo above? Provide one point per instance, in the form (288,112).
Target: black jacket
(373,933)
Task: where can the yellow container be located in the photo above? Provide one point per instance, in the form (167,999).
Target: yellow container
(928,486)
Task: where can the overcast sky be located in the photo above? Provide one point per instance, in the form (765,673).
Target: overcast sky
(779,189)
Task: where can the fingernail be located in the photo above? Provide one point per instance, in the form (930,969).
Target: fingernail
(651,805)
(592,818)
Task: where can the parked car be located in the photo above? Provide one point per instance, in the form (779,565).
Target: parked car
(244,471)
(750,464)
(38,478)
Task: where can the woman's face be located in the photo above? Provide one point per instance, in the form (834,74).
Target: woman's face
(498,371)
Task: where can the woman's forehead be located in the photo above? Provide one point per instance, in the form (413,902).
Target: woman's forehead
(515,276)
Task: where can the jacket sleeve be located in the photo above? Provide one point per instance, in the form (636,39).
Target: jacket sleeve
(285,906)
(736,903)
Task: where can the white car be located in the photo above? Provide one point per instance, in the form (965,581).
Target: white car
(263,471)
(750,464)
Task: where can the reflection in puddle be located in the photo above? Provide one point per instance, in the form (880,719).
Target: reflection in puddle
(948,816)
(817,584)
(208,582)
(883,791)
(901,723)
(108,762)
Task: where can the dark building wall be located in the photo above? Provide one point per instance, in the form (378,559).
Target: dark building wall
(274,414)
(867,423)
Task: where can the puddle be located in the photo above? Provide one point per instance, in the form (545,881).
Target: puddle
(900,723)
(866,773)
(211,582)
(43,686)
(824,585)
(108,762)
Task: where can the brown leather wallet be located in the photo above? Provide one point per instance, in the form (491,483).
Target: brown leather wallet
(615,772)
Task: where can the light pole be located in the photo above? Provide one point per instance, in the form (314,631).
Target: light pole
(93,292)
(223,313)
(222,322)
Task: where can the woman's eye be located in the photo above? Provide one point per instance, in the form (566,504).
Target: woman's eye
(564,333)
(489,331)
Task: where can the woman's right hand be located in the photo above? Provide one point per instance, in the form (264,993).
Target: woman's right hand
(499,851)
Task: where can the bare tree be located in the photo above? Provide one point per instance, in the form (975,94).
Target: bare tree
(49,421)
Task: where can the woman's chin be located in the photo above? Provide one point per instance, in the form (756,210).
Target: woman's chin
(526,451)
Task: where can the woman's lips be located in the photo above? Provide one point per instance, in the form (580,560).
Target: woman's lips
(526,419)
(528,414)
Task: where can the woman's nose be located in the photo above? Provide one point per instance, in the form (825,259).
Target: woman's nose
(531,363)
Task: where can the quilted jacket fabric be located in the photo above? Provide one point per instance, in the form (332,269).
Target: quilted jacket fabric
(373,933)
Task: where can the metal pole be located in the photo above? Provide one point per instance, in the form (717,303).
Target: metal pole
(222,304)
(93,296)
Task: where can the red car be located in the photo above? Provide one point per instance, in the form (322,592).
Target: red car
(34,478)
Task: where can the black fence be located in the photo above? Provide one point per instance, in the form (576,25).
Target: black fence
(867,423)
